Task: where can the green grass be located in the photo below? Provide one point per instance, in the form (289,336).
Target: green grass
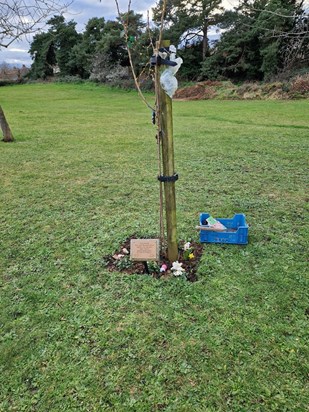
(80,178)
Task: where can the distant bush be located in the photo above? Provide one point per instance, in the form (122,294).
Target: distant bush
(68,79)
(299,86)
(199,91)
(147,85)
(104,72)
(6,83)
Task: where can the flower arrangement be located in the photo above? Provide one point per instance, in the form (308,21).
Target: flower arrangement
(184,267)
(188,251)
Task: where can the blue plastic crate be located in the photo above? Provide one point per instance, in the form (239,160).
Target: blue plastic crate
(237,232)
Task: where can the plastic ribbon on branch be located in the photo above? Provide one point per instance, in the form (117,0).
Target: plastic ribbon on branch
(168,80)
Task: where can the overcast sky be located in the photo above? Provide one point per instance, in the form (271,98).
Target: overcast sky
(81,11)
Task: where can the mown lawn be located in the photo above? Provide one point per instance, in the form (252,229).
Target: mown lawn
(80,178)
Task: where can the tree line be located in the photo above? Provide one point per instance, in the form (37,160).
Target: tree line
(260,40)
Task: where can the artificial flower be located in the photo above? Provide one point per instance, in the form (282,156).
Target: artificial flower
(163,268)
(118,257)
(187,246)
(177,268)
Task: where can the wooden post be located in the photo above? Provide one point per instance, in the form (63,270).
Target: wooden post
(166,126)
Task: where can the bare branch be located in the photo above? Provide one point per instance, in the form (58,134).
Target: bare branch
(24,17)
(191,35)
(275,13)
(126,35)
(162,20)
(149,32)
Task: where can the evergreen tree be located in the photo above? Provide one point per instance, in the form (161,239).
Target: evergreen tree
(82,54)
(65,38)
(42,51)
(111,51)
(51,51)
(258,35)
(187,24)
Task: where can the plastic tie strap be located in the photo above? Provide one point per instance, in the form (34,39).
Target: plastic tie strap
(168,178)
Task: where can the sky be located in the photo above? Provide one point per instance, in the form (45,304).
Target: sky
(81,11)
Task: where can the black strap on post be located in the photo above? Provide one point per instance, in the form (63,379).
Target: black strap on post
(157,60)
(168,178)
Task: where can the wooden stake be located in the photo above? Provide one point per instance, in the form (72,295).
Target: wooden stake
(166,122)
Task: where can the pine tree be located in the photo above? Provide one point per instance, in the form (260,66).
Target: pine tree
(259,38)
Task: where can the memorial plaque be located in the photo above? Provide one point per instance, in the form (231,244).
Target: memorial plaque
(145,249)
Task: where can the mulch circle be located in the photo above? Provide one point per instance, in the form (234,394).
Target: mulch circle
(120,262)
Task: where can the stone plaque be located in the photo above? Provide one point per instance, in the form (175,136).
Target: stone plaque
(145,249)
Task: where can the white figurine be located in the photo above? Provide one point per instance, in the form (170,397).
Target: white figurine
(168,80)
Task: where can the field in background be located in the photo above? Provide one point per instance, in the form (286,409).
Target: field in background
(80,178)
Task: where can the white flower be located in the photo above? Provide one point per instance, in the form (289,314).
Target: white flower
(177,268)
(187,246)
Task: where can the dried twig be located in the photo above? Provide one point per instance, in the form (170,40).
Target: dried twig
(23,17)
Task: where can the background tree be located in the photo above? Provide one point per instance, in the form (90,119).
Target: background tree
(82,54)
(258,39)
(109,52)
(51,51)
(42,51)
(19,18)
(187,25)
(111,57)
(65,38)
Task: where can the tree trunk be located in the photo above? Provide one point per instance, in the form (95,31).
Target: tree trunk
(7,134)
(205,41)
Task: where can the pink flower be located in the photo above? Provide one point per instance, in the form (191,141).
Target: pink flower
(163,268)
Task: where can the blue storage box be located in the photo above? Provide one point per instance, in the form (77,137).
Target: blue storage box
(236,233)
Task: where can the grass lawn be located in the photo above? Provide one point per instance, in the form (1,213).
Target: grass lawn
(81,178)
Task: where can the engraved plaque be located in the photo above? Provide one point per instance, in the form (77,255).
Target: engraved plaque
(144,249)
